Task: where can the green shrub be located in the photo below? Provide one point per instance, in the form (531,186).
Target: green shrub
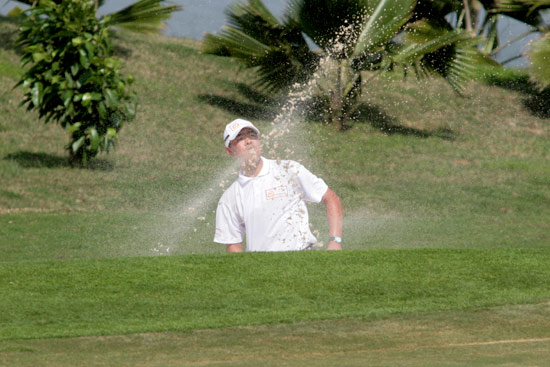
(74,80)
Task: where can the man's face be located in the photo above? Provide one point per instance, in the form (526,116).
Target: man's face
(246,147)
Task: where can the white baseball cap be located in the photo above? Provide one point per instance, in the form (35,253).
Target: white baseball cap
(234,127)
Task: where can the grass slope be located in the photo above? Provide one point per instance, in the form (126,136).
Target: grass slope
(423,167)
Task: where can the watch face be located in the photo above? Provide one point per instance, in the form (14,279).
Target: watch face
(336,239)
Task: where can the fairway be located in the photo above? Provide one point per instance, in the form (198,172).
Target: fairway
(502,336)
(87,297)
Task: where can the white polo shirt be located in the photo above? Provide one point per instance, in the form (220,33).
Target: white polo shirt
(270,209)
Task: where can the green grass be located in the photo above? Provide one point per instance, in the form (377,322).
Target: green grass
(510,336)
(53,298)
(446,206)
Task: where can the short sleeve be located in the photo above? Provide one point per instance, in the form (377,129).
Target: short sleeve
(229,228)
(314,188)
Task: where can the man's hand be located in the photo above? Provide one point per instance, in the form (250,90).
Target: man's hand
(334,246)
(235,247)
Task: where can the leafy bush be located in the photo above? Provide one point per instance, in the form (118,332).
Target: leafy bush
(74,79)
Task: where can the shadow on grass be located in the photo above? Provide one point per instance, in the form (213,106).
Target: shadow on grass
(8,33)
(45,160)
(255,96)
(118,49)
(244,110)
(378,119)
(259,106)
(537,101)
(262,106)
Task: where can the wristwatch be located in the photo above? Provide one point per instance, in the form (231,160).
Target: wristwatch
(335,239)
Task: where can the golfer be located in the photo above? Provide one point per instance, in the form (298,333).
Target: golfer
(266,205)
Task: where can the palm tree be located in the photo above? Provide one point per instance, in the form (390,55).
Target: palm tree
(350,37)
(143,16)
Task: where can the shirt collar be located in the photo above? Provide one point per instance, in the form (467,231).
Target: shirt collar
(242,179)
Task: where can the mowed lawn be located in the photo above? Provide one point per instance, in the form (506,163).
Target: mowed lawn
(382,307)
(500,336)
(430,307)
(447,227)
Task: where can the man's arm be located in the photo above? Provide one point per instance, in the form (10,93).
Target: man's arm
(334,217)
(235,247)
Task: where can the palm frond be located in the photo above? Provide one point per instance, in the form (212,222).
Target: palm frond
(435,10)
(491,41)
(461,68)
(278,71)
(278,67)
(247,15)
(382,24)
(215,45)
(143,16)
(255,20)
(452,54)
(540,61)
(512,6)
(330,22)
(257,39)
(526,11)
(237,43)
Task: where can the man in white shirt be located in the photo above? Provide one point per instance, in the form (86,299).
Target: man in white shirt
(267,203)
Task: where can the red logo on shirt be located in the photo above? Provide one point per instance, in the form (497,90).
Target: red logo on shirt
(276,192)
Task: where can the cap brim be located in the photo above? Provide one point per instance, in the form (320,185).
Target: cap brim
(230,137)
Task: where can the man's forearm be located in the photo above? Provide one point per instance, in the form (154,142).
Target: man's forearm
(334,217)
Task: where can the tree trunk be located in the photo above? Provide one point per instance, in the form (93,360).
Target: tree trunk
(467,16)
